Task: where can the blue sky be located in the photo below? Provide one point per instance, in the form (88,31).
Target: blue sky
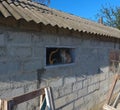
(83,8)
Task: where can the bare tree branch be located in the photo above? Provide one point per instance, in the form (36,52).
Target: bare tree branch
(111,16)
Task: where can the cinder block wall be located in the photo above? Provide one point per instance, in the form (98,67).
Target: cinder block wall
(80,86)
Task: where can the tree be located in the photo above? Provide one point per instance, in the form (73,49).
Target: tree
(111,16)
(45,2)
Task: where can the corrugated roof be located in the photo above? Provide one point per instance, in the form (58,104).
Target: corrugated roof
(31,11)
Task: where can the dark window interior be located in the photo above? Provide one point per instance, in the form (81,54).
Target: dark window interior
(56,56)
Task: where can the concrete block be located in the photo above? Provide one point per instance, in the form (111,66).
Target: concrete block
(50,39)
(102,76)
(77,86)
(38,52)
(104,86)
(2,39)
(80,77)
(32,65)
(10,93)
(3,51)
(66,99)
(103,97)
(71,97)
(65,40)
(91,80)
(68,80)
(93,87)
(95,95)
(43,83)
(58,82)
(37,39)
(3,66)
(55,94)
(90,104)
(33,104)
(82,92)
(23,52)
(79,102)
(4,85)
(22,106)
(68,107)
(88,98)
(32,86)
(82,107)
(66,89)
(16,84)
(9,67)
(105,70)
(17,92)
(23,79)
(60,102)
(19,38)
(85,43)
(85,83)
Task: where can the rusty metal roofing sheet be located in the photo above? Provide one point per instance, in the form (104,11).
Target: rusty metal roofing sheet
(31,11)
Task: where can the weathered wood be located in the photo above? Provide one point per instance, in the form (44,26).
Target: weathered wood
(116,100)
(46,94)
(46,99)
(107,107)
(9,104)
(26,97)
(43,106)
(51,98)
(112,88)
(41,100)
(3,105)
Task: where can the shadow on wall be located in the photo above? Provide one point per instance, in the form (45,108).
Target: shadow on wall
(88,64)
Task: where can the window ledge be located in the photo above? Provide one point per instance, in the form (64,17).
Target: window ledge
(58,66)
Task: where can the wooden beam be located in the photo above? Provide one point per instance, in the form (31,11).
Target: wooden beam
(4,105)
(45,92)
(107,107)
(112,88)
(116,100)
(26,97)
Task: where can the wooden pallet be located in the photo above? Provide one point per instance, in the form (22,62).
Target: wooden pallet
(9,104)
(108,106)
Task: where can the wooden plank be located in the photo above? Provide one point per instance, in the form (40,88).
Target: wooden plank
(116,100)
(112,89)
(118,77)
(43,106)
(0,104)
(26,97)
(4,105)
(107,107)
(49,99)
(41,99)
